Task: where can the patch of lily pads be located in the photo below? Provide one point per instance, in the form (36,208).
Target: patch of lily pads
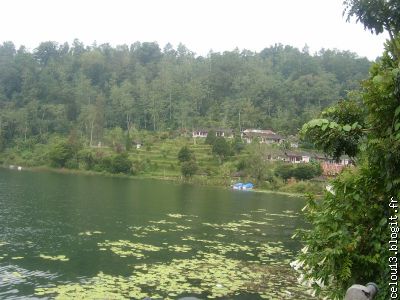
(125,248)
(206,275)
(218,263)
(54,258)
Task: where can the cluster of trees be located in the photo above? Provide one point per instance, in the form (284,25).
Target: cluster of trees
(221,148)
(69,153)
(91,89)
(298,171)
(187,159)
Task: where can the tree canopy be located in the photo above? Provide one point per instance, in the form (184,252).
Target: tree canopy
(93,89)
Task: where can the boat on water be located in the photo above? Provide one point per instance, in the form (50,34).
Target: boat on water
(243,186)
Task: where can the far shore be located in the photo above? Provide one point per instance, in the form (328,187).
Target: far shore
(147,176)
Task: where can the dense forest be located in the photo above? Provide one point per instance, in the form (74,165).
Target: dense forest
(91,89)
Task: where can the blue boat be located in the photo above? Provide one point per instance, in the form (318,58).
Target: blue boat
(237,186)
(247,186)
(242,186)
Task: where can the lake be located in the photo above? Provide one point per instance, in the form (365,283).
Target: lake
(94,237)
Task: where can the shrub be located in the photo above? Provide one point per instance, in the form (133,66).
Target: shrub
(103,164)
(304,171)
(185,154)
(189,168)
(72,163)
(87,158)
(284,171)
(120,163)
(211,137)
(60,153)
(237,144)
(221,148)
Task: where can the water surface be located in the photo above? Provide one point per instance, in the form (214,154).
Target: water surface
(82,237)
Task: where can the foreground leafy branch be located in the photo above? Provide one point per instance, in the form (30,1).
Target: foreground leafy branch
(348,240)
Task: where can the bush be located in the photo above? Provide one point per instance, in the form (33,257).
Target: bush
(303,187)
(137,167)
(185,154)
(72,163)
(189,168)
(304,172)
(103,164)
(237,144)
(60,153)
(211,137)
(284,171)
(87,158)
(120,163)
(221,148)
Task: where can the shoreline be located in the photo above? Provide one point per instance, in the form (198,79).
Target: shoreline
(143,176)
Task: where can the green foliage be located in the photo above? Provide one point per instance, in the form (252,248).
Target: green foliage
(348,240)
(237,144)
(189,168)
(60,153)
(188,162)
(128,143)
(104,92)
(377,16)
(211,137)
(87,158)
(284,171)
(185,154)
(306,171)
(221,148)
(339,132)
(120,163)
(302,187)
(103,164)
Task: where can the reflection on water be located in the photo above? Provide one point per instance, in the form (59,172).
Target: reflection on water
(94,237)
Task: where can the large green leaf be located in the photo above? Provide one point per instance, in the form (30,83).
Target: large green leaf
(347,128)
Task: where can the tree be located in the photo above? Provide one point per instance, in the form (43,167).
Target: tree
(304,171)
(188,162)
(185,154)
(377,16)
(237,144)
(121,163)
(284,171)
(211,137)
(340,131)
(189,168)
(221,148)
(46,52)
(141,87)
(348,240)
(60,153)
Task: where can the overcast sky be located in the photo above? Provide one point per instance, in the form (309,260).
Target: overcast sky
(200,25)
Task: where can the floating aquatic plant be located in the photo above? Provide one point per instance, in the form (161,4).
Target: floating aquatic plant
(224,260)
(57,257)
(125,248)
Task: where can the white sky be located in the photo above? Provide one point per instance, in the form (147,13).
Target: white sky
(200,25)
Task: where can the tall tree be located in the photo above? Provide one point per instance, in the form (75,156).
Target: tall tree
(377,16)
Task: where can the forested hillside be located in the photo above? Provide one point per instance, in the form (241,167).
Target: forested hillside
(90,89)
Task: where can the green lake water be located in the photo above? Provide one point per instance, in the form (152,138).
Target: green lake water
(94,237)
